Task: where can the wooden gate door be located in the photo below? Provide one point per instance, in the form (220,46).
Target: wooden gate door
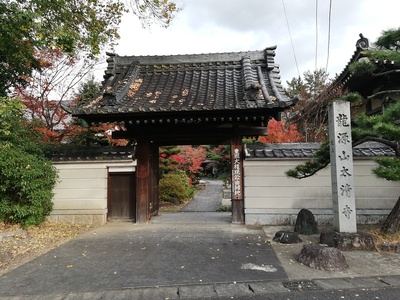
(121,201)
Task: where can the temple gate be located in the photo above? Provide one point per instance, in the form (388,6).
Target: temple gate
(216,98)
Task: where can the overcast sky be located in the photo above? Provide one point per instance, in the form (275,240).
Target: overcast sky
(207,26)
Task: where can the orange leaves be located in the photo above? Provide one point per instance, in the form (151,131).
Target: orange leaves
(194,156)
(278,132)
(186,158)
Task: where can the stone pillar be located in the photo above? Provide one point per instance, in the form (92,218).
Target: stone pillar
(237,195)
(341,155)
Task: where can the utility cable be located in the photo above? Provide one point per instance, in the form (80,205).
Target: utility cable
(329,35)
(290,35)
(316,34)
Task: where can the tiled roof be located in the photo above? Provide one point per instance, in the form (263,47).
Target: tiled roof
(357,83)
(138,85)
(307,150)
(73,154)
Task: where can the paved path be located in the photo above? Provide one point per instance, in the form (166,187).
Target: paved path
(208,199)
(122,256)
(187,217)
(155,261)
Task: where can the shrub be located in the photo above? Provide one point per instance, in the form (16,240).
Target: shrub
(26,184)
(27,178)
(175,188)
(224,208)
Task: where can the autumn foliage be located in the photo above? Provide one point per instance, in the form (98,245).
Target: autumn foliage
(44,93)
(191,158)
(278,132)
(185,158)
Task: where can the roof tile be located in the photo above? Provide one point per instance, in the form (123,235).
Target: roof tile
(178,83)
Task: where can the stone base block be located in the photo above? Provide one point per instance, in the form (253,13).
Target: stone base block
(78,219)
(391,247)
(348,241)
(264,216)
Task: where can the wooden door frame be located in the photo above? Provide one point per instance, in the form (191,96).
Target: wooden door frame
(119,171)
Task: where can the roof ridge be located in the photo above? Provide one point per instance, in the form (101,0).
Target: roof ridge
(193,58)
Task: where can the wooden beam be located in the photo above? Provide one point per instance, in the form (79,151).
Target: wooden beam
(185,134)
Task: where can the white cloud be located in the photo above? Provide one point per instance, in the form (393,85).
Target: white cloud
(238,25)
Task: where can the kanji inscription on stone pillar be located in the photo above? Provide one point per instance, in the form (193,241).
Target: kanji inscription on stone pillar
(341,154)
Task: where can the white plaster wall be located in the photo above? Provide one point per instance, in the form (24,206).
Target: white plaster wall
(80,196)
(273,198)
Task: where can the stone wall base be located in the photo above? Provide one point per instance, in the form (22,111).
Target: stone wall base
(78,217)
(322,216)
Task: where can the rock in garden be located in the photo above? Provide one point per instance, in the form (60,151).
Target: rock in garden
(346,241)
(287,237)
(305,223)
(322,257)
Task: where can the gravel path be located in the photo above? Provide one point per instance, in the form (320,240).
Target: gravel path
(209,199)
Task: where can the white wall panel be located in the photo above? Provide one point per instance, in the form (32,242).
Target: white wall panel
(267,189)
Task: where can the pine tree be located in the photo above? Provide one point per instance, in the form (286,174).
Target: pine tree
(168,162)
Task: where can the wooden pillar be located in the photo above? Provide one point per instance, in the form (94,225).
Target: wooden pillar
(154,179)
(237,193)
(143,191)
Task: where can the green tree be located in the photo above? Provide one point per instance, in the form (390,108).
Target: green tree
(87,134)
(27,178)
(220,161)
(85,26)
(87,91)
(310,86)
(27,27)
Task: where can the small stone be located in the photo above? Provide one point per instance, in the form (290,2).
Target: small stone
(305,223)
(322,257)
(287,237)
(4,257)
